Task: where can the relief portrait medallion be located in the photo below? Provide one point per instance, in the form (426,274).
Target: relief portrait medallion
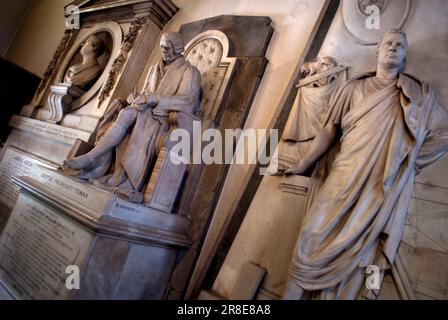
(393,15)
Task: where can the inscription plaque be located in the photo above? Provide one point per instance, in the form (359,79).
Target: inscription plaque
(36,247)
(15,163)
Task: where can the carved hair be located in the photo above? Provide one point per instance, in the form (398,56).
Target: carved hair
(315,66)
(98,45)
(403,34)
(395,31)
(176,41)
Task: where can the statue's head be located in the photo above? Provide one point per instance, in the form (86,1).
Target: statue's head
(392,50)
(93,46)
(171,46)
(318,65)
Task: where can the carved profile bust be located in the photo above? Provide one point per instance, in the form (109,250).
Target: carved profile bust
(88,71)
(85,69)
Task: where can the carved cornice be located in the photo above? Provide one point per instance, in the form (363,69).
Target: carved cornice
(161,10)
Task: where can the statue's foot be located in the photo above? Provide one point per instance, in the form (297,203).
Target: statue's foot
(69,171)
(103,185)
(80,162)
(129,195)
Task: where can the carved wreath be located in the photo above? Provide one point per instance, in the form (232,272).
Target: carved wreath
(119,62)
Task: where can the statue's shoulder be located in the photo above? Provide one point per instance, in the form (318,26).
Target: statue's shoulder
(411,79)
(356,80)
(414,88)
(192,68)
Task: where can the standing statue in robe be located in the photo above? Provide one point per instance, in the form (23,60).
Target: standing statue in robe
(386,127)
(127,145)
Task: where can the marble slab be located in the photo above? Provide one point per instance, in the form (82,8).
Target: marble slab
(80,195)
(16,163)
(36,247)
(49,130)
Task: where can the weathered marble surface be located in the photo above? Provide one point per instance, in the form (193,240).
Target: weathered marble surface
(79,78)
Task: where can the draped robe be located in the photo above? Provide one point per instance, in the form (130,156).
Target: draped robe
(82,76)
(308,112)
(357,206)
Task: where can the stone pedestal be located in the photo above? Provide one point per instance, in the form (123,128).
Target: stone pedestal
(265,241)
(122,250)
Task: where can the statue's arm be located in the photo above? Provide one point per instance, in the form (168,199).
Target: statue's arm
(186,96)
(320,145)
(435,144)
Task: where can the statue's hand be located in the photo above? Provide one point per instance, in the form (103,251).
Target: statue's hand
(300,169)
(140,100)
(152,101)
(130,99)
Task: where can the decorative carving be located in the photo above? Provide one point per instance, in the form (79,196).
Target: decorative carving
(61,100)
(78,78)
(119,62)
(68,36)
(209,53)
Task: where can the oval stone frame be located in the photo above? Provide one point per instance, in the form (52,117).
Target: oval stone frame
(395,15)
(116,34)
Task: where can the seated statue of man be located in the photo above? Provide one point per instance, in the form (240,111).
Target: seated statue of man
(387,126)
(173,85)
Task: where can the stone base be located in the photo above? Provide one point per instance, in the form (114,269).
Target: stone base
(265,241)
(122,250)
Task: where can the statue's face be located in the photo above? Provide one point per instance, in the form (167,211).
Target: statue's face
(167,50)
(392,50)
(88,48)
